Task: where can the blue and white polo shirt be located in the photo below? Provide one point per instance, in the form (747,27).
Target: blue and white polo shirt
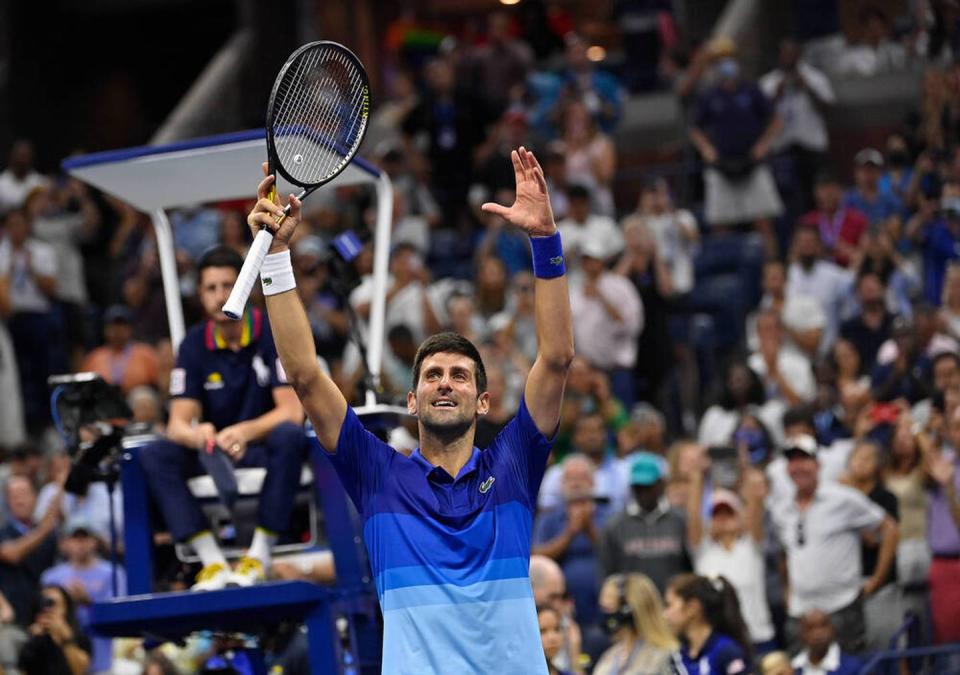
(451,556)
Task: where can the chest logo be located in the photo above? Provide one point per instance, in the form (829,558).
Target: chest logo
(214,381)
(486,485)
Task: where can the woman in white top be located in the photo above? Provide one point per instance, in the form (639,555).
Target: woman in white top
(733,548)
(590,156)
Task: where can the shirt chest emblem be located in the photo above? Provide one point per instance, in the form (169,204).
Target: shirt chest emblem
(486,485)
(214,381)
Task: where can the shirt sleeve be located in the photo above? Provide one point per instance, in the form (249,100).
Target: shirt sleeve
(861,513)
(730,660)
(524,450)
(361,460)
(186,380)
(44,260)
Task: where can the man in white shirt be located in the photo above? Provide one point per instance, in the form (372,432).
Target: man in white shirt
(800,93)
(785,372)
(19,178)
(809,274)
(820,528)
(581,226)
(608,319)
(802,315)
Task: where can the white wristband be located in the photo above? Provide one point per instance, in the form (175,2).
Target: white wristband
(276,273)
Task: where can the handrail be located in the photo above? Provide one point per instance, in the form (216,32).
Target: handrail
(914,652)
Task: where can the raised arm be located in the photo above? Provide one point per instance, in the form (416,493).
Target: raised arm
(322,401)
(531,212)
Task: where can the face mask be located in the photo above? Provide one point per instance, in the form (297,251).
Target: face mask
(727,69)
(611,622)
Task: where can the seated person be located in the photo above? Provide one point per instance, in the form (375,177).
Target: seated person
(228,391)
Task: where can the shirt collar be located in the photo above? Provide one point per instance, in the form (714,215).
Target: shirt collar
(633,509)
(440,474)
(252,327)
(830,662)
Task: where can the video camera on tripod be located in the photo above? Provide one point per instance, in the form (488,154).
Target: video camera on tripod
(92,417)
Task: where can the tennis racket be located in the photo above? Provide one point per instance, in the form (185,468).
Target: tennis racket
(316,121)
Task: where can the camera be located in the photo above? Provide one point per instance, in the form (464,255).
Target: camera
(92,416)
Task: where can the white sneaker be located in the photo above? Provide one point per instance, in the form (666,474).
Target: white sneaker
(249,571)
(212,577)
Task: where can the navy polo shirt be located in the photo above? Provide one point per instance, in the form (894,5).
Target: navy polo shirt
(231,386)
(733,120)
(720,655)
(451,555)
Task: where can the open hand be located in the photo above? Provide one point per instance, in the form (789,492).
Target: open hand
(531,209)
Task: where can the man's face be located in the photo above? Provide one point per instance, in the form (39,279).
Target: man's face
(117,334)
(79,546)
(648,496)
(215,286)
(590,436)
(945,374)
(446,399)
(789,54)
(827,196)
(816,631)
(871,292)
(579,208)
(21,498)
(807,244)
(577,480)
(803,471)
(867,176)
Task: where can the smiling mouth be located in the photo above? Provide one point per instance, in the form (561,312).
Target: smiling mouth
(443,404)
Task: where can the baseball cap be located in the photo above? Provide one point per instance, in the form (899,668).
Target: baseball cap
(802,444)
(594,248)
(868,156)
(118,314)
(79,524)
(313,246)
(646,469)
(725,499)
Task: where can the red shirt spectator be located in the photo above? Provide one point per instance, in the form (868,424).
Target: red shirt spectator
(840,227)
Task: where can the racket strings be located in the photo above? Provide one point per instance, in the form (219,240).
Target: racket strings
(316,123)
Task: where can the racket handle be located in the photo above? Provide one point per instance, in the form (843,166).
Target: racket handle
(248,275)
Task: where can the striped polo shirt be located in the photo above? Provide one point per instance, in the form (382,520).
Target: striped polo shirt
(450,556)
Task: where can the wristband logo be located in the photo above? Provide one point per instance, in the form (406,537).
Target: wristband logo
(556,260)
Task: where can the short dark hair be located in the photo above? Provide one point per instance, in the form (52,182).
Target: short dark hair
(944,356)
(452,343)
(578,191)
(219,256)
(799,414)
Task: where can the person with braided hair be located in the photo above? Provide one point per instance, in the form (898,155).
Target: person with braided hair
(704,613)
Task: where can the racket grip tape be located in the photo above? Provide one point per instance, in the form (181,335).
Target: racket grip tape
(249,274)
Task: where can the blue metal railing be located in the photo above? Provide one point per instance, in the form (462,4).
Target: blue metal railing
(918,659)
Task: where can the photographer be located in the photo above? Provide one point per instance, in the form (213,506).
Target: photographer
(56,645)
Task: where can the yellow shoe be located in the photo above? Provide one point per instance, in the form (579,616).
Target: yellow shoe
(249,571)
(212,578)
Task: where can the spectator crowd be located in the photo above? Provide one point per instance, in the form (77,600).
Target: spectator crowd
(755,468)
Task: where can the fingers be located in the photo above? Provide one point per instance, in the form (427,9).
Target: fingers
(295,206)
(496,209)
(263,189)
(517,166)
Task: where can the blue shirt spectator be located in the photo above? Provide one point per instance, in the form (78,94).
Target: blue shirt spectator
(566,533)
(867,195)
(940,246)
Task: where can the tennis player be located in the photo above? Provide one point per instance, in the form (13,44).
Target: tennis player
(447,529)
